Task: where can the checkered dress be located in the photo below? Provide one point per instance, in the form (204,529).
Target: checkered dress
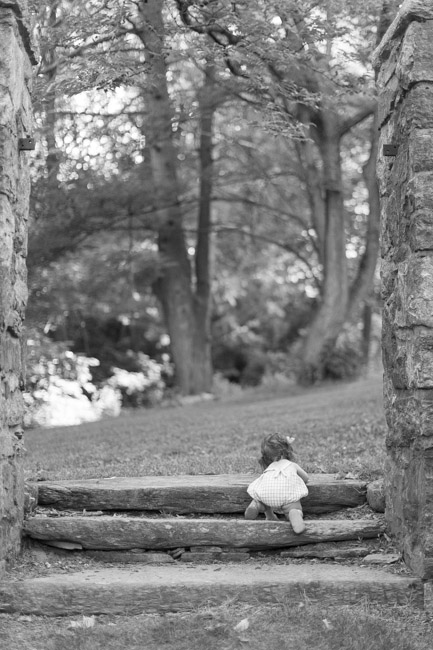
(278,485)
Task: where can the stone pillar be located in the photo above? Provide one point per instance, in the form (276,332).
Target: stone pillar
(16,59)
(405,63)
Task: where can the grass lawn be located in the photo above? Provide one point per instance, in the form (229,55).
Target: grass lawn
(338,428)
(269,628)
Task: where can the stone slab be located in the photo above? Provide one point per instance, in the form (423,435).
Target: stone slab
(125,557)
(382,558)
(181,587)
(106,532)
(376,496)
(333,552)
(223,493)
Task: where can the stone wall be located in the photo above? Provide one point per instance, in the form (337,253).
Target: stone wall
(405,63)
(16,59)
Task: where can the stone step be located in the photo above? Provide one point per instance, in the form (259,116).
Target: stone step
(223,493)
(183,587)
(125,532)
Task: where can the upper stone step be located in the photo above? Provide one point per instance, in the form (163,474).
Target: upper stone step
(177,587)
(223,493)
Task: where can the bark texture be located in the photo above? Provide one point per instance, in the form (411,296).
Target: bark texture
(405,59)
(185,307)
(16,57)
(339,300)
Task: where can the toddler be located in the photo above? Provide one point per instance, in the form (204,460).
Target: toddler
(282,484)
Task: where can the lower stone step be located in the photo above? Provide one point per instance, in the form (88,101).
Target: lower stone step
(122,532)
(180,587)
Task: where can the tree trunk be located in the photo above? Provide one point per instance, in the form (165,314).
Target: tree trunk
(362,287)
(202,251)
(185,323)
(49,105)
(366,333)
(331,313)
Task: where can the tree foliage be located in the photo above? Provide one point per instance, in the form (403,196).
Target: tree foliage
(200,157)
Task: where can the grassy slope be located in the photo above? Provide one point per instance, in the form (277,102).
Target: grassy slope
(338,427)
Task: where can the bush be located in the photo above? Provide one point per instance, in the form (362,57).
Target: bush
(60,391)
(345,361)
(144,388)
(239,363)
(223,388)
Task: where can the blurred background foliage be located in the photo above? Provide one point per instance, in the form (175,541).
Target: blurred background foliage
(204,211)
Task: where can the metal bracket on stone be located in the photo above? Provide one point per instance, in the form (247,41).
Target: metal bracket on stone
(26,144)
(390,149)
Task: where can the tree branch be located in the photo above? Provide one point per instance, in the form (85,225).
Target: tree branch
(81,49)
(268,240)
(365,111)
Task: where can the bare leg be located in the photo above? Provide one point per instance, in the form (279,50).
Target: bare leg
(253,510)
(293,512)
(270,514)
(257,507)
(297,520)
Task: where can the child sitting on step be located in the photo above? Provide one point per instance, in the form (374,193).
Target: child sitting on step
(282,484)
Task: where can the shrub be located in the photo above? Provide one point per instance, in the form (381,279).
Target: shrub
(345,361)
(62,391)
(144,388)
(60,387)
(223,388)
(239,363)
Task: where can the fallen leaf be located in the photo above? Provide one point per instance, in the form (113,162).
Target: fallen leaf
(243,625)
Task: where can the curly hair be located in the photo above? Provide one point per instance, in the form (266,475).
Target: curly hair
(275,447)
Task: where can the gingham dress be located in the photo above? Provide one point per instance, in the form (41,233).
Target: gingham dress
(278,485)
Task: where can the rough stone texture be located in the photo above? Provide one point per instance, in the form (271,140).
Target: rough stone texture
(203,558)
(124,557)
(381,558)
(30,498)
(405,61)
(224,493)
(336,551)
(16,57)
(156,533)
(376,495)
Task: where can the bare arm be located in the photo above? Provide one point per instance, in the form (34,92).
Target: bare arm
(304,476)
